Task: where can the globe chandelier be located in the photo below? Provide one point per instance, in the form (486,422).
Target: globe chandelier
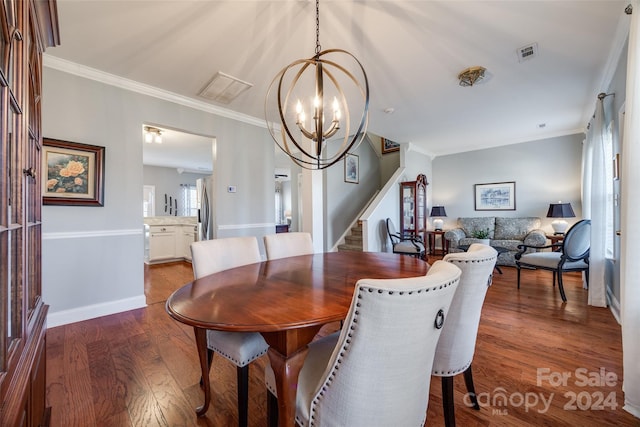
(327,84)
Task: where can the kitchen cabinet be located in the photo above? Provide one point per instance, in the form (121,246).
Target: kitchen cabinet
(171,242)
(162,242)
(188,237)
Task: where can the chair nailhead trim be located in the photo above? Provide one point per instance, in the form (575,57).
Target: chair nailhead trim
(240,363)
(453,371)
(345,346)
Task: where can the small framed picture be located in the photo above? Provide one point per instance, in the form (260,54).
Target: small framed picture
(389,146)
(73,173)
(351,169)
(496,196)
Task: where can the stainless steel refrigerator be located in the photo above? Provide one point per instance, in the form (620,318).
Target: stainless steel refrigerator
(204,188)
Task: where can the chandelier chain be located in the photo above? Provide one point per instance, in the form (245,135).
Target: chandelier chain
(318,50)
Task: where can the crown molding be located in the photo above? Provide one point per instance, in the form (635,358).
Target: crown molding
(141,88)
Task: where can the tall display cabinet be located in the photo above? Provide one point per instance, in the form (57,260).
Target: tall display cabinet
(26,27)
(413,207)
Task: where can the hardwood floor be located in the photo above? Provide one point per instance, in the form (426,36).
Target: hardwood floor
(140,368)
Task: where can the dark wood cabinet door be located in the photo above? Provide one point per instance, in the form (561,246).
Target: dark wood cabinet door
(413,207)
(26,27)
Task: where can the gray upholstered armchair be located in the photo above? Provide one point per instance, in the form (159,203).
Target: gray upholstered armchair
(403,244)
(570,255)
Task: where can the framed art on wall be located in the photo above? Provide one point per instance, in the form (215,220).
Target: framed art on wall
(389,146)
(73,173)
(495,196)
(351,168)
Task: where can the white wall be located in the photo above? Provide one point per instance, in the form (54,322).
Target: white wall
(544,171)
(387,204)
(345,200)
(92,257)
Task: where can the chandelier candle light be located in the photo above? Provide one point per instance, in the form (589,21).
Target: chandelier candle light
(289,128)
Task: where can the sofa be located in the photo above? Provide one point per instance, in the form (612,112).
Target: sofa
(504,232)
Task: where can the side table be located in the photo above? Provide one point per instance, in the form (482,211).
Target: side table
(556,238)
(431,242)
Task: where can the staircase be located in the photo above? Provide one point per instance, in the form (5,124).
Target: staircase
(353,241)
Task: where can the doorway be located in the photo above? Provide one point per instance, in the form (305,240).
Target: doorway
(173,161)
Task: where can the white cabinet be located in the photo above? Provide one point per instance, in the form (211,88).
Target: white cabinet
(162,242)
(187,238)
(171,242)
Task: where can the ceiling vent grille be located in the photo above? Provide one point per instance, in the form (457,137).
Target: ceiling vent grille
(527,52)
(224,88)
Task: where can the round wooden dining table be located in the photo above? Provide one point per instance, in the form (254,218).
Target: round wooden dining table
(287,300)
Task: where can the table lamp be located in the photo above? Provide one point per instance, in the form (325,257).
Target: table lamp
(560,210)
(437,212)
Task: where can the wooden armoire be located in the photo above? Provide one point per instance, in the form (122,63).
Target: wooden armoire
(27,27)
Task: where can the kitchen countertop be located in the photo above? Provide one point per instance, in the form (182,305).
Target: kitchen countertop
(171,220)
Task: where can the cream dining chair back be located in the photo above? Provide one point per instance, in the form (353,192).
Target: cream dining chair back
(457,344)
(376,371)
(283,245)
(241,348)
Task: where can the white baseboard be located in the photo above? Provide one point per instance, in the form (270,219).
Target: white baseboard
(632,409)
(95,310)
(614,305)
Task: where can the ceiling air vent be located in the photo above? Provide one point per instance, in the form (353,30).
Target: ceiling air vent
(224,88)
(527,52)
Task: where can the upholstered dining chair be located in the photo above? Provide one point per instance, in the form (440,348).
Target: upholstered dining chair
(457,343)
(406,245)
(376,371)
(572,254)
(283,245)
(241,348)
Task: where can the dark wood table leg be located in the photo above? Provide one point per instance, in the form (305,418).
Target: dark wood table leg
(201,343)
(287,351)
(286,371)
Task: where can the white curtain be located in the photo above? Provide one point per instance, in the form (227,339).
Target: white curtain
(594,204)
(630,225)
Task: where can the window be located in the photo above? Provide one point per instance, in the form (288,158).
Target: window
(149,200)
(607,139)
(189,205)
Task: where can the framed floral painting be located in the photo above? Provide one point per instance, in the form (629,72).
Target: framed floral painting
(73,173)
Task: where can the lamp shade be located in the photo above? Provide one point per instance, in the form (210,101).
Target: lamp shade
(560,210)
(438,211)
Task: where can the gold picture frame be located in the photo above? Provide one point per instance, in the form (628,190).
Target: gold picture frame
(389,146)
(73,173)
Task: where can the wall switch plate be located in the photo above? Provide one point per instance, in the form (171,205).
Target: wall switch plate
(231,189)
